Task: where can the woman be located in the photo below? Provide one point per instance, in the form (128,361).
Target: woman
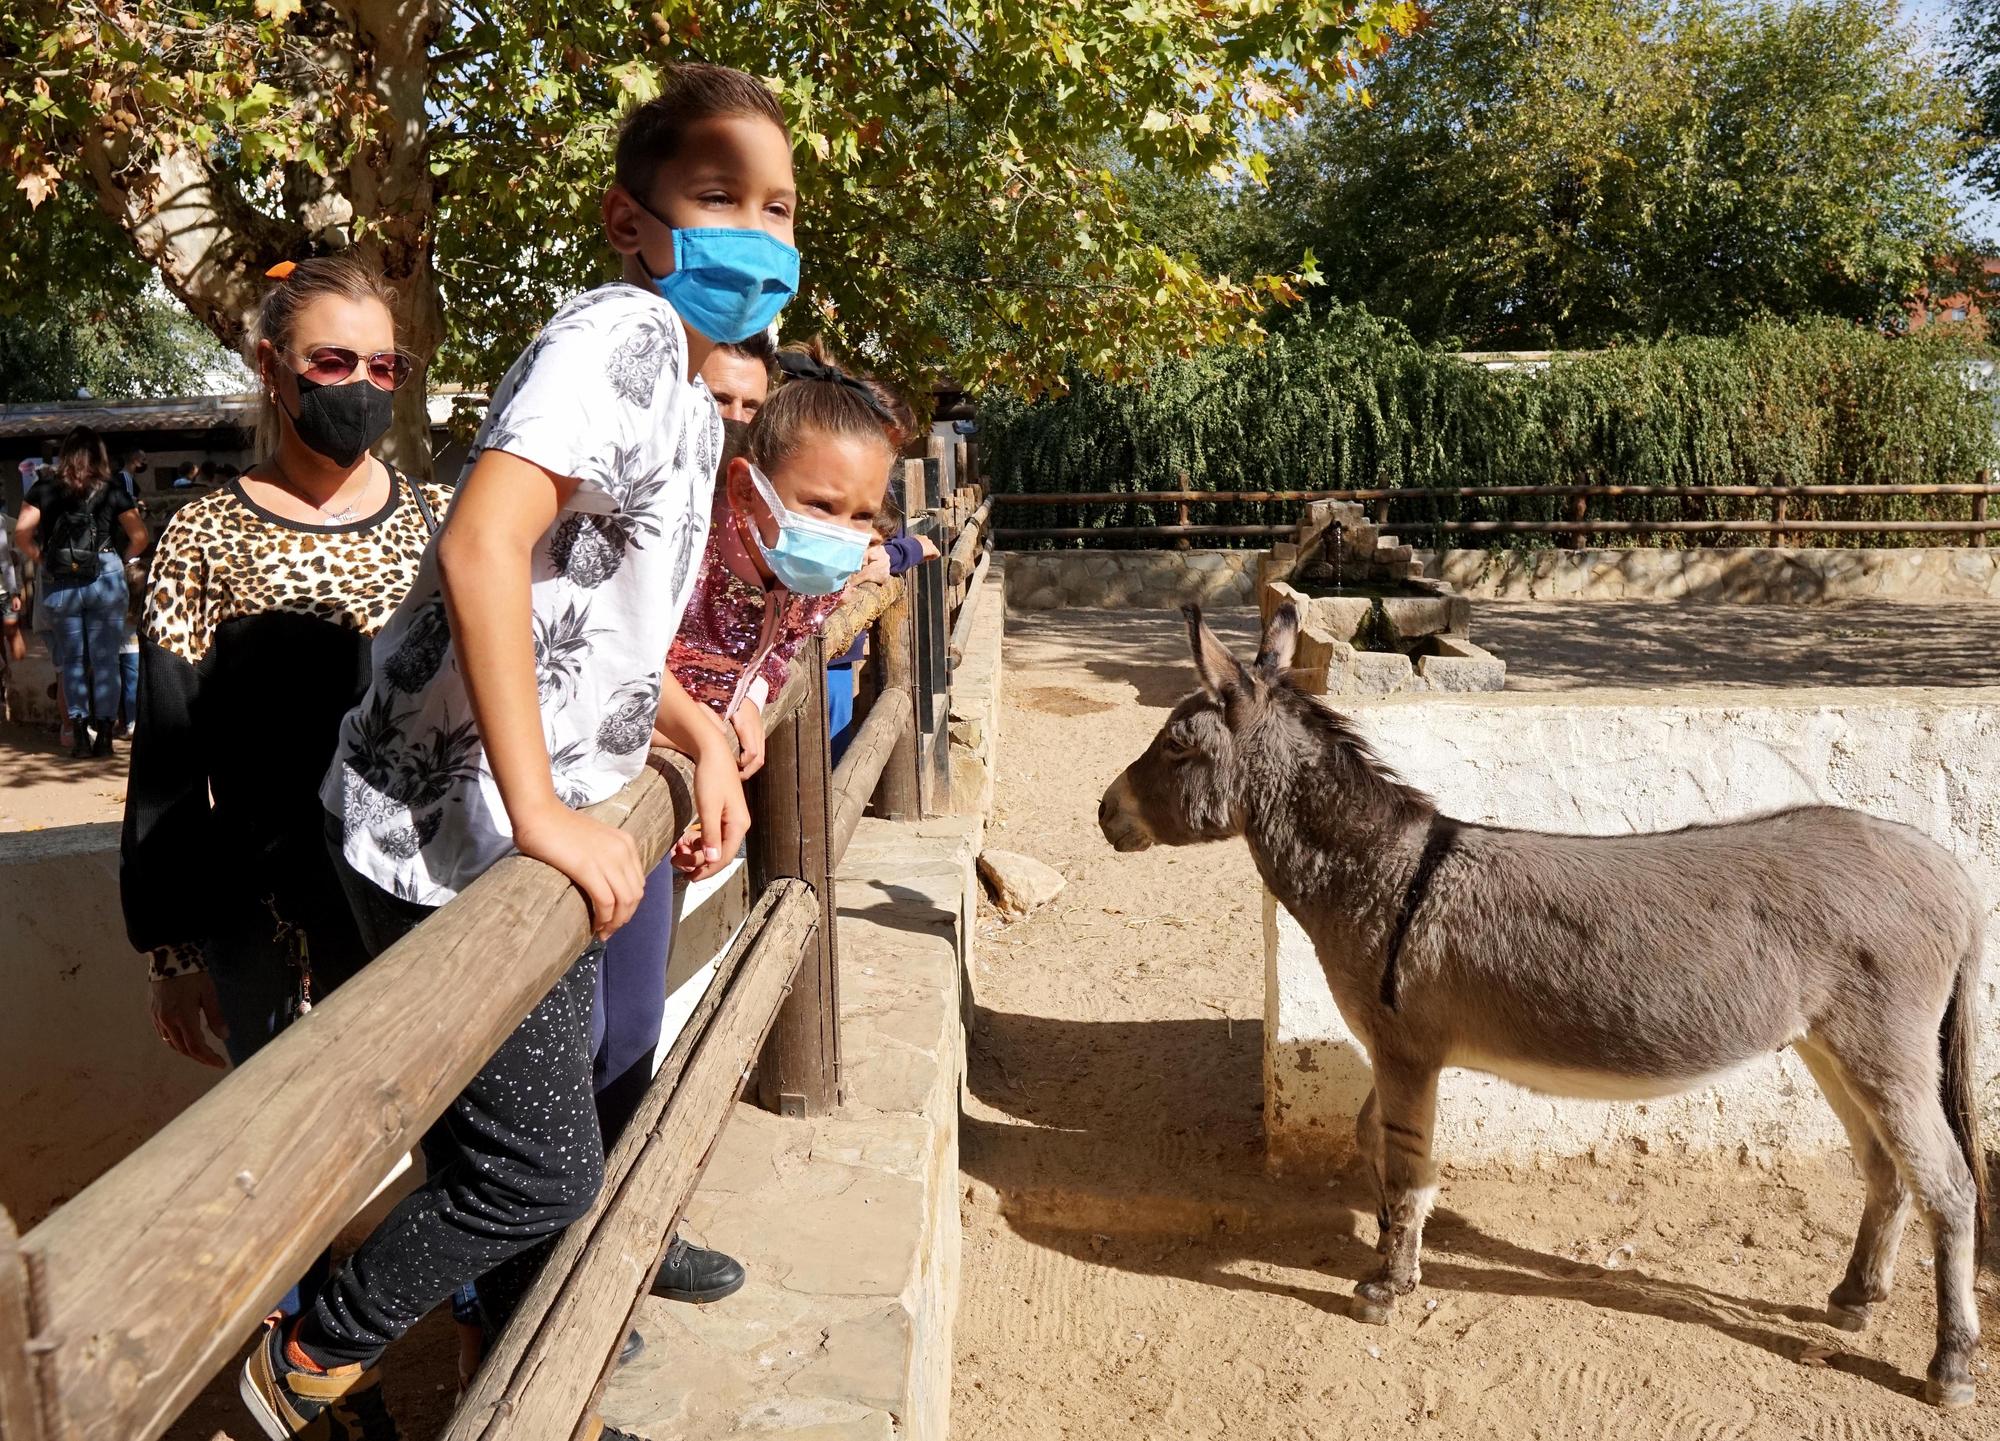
(264,596)
(70,523)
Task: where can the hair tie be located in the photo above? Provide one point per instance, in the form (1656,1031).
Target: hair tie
(282,270)
(798,365)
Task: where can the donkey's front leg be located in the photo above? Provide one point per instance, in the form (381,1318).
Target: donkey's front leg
(1406,1109)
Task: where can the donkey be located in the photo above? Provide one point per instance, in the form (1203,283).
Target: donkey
(1598,966)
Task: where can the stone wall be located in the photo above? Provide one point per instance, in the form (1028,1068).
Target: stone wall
(1630,761)
(1130,579)
(1750,574)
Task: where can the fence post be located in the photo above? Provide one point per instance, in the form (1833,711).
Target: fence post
(1182,510)
(1779,507)
(21,1417)
(1979,508)
(899,794)
(798,1073)
(1579,511)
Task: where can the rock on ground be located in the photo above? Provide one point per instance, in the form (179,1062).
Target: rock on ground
(1019,884)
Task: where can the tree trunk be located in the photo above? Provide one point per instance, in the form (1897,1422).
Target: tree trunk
(211,247)
(391,185)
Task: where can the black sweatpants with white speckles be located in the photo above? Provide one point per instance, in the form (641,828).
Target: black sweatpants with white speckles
(515,1159)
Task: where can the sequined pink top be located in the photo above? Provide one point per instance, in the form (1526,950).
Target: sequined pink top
(737,639)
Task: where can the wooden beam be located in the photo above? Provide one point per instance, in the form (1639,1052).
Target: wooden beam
(965,553)
(541,1378)
(901,795)
(148,1281)
(1477,492)
(798,1074)
(961,628)
(861,768)
(21,1417)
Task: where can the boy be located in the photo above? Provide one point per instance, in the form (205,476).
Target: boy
(522,678)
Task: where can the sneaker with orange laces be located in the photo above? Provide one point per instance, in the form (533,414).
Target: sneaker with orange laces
(289,1396)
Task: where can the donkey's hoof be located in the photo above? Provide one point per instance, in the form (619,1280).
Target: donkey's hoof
(1847,1318)
(1370,1313)
(1948,1395)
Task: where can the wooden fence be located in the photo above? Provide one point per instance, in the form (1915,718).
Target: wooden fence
(1423,510)
(117,1309)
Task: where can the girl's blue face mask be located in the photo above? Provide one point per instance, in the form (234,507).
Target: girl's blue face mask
(810,557)
(727,284)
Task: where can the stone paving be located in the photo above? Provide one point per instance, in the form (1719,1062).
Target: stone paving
(848,1225)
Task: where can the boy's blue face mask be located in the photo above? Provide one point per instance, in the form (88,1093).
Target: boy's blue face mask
(727,284)
(810,557)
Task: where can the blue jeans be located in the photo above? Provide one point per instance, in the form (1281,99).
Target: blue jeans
(840,683)
(87,630)
(128,675)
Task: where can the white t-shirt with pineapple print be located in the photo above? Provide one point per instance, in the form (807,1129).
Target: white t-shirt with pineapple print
(602,395)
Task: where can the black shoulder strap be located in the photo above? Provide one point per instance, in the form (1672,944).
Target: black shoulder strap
(1443,834)
(423,502)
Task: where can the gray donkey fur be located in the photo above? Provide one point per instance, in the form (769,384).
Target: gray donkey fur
(1600,966)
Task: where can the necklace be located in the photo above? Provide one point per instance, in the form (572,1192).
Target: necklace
(341,516)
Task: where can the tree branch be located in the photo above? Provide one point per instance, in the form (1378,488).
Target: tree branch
(210,246)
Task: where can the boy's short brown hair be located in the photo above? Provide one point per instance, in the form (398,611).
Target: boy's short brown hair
(652,134)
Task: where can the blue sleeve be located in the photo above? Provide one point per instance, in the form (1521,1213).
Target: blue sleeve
(904,553)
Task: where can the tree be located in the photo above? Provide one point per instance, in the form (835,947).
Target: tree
(955,215)
(107,329)
(1975,63)
(1573,172)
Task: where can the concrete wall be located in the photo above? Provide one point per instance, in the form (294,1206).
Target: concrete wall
(1630,761)
(83,1079)
(1130,579)
(1752,574)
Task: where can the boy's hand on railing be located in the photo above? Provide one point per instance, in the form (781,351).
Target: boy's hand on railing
(748,723)
(928,547)
(602,861)
(180,1004)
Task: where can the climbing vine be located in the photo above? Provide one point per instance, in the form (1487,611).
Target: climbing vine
(1348,401)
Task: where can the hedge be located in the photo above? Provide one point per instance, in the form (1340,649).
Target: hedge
(1349,402)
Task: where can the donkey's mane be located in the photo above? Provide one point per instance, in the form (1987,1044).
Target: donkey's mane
(1372,781)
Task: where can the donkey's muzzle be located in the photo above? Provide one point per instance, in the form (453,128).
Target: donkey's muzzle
(1119,819)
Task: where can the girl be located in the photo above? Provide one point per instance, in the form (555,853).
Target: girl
(70,523)
(794,513)
(256,636)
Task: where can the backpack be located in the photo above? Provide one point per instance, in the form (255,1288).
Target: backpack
(77,537)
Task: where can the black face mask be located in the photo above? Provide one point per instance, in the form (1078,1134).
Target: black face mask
(343,421)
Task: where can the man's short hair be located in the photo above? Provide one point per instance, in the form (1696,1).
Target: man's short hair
(652,133)
(759,347)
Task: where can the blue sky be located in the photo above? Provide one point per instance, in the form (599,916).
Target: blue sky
(1934,17)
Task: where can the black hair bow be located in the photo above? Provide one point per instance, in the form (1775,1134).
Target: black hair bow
(798,365)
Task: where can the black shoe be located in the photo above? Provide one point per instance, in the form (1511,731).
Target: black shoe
(633,1349)
(79,746)
(697,1274)
(611,1433)
(102,745)
(343,1403)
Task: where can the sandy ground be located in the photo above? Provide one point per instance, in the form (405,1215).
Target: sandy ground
(1130,1271)
(40,786)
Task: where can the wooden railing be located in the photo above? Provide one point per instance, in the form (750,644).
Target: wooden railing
(1413,501)
(117,1309)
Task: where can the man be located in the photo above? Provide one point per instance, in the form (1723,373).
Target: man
(130,471)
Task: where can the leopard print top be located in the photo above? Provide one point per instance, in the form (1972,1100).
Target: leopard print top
(225,556)
(225,559)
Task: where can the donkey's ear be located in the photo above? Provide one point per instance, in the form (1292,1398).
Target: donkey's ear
(1222,674)
(1281,638)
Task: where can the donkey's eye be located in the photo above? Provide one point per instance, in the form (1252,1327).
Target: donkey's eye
(1178,750)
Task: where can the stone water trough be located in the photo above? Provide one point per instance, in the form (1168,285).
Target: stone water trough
(1369,622)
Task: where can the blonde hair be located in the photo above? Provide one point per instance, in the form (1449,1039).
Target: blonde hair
(295,286)
(833,402)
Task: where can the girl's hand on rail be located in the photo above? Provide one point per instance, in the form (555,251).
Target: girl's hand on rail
(601,860)
(875,567)
(180,1004)
(724,814)
(748,722)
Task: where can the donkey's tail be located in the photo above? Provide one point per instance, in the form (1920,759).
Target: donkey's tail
(1958,1036)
